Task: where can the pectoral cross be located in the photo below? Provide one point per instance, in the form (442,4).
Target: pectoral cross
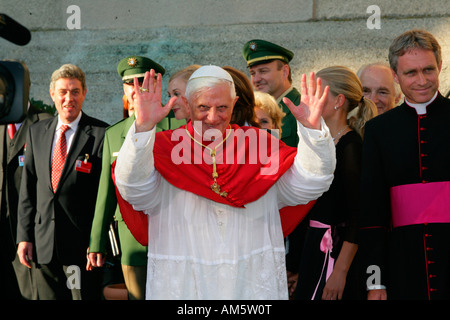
(214,187)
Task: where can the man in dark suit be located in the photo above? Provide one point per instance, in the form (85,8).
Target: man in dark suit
(58,192)
(15,278)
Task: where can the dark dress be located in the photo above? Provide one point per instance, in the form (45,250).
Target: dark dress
(338,208)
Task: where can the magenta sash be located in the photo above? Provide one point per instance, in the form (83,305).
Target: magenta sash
(420,203)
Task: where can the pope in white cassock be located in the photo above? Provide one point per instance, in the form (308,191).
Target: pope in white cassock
(213,210)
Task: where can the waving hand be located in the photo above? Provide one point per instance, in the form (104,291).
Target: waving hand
(313,100)
(148,108)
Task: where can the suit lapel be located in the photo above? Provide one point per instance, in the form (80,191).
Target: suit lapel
(46,148)
(20,137)
(79,140)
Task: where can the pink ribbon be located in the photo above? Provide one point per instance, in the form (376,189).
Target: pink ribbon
(326,246)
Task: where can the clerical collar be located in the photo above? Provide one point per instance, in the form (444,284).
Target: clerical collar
(421,108)
(284,94)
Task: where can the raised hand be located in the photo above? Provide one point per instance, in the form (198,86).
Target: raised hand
(313,100)
(148,108)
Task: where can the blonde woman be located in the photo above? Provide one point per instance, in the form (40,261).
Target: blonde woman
(177,88)
(268,112)
(326,271)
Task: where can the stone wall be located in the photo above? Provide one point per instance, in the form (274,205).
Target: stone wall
(176,33)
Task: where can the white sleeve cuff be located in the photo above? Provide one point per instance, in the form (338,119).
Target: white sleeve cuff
(376,287)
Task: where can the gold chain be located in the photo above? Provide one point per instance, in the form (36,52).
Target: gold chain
(214,187)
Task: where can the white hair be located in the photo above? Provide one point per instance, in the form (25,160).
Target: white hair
(197,85)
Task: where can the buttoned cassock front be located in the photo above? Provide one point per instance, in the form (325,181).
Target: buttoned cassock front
(402,148)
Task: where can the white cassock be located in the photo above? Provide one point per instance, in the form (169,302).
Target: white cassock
(201,249)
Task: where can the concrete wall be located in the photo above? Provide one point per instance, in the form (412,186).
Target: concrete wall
(176,33)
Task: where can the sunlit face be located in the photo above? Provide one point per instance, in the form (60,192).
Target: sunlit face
(130,92)
(267,78)
(264,119)
(68,96)
(128,89)
(332,101)
(418,75)
(213,107)
(378,86)
(177,88)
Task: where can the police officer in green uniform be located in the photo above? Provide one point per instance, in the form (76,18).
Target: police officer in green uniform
(270,72)
(133,256)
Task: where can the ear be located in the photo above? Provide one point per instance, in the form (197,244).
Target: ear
(394,74)
(440,66)
(285,70)
(52,92)
(340,100)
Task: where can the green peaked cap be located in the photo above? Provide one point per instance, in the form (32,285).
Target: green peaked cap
(259,51)
(136,66)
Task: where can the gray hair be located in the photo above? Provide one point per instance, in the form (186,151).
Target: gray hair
(397,88)
(413,39)
(69,71)
(198,85)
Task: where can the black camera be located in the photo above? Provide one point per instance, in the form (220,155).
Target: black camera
(14,75)
(14,90)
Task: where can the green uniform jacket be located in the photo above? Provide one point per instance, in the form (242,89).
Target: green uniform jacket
(106,209)
(289,124)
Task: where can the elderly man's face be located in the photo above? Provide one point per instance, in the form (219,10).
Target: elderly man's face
(68,96)
(213,107)
(378,86)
